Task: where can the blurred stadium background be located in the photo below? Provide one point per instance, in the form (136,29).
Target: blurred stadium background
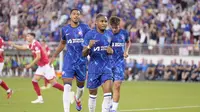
(162,31)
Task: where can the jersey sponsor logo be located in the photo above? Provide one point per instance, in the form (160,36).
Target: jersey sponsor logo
(80,33)
(118,44)
(100,48)
(122,37)
(70,41)
(67,34)
(97,49)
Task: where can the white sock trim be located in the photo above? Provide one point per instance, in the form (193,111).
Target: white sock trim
(93,96)
(107,94)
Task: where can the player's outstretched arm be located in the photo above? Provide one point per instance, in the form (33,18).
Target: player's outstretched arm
(19,47)
(60,47)
(128,44)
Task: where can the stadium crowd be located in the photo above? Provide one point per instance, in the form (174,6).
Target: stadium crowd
(135,69)
(175,71)
(149,22)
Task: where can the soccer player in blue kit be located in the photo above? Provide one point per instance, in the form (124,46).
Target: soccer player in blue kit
(97,44)
(74,63)
(120,45)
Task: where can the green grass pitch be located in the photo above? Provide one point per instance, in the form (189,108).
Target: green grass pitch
(135,97)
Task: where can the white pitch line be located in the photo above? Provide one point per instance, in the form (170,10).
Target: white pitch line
(165,108)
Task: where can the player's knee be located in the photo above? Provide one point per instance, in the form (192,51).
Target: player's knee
(93,91)
(80,84)
(67,81)
(107,86)
(36,78)
(117,86)
(107,89)
(108,95)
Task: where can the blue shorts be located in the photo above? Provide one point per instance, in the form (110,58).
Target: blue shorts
(118,72)
(95,80)
(78,71)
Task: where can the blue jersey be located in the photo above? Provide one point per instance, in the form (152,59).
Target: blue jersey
(118,62)
(74,38)
(118,44)
(99,58)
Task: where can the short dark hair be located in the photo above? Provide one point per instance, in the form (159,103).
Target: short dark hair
(75,10)
(32,34)
(100,15)
(114,20)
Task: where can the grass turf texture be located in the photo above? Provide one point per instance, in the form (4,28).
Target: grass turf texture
(134,95)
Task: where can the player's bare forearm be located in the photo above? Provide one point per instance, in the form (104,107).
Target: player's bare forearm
(38,56)
(19,47)
(85,51)
(60,47)
(128,44)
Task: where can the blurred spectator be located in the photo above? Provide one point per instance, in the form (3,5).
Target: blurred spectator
(15,66)
(45,16)
(196,30)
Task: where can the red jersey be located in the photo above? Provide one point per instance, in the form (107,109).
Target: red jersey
(36,47)
(1,50)
(46,49)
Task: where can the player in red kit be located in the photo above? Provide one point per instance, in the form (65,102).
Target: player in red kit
(2,83)
(42,60)
(46,49)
